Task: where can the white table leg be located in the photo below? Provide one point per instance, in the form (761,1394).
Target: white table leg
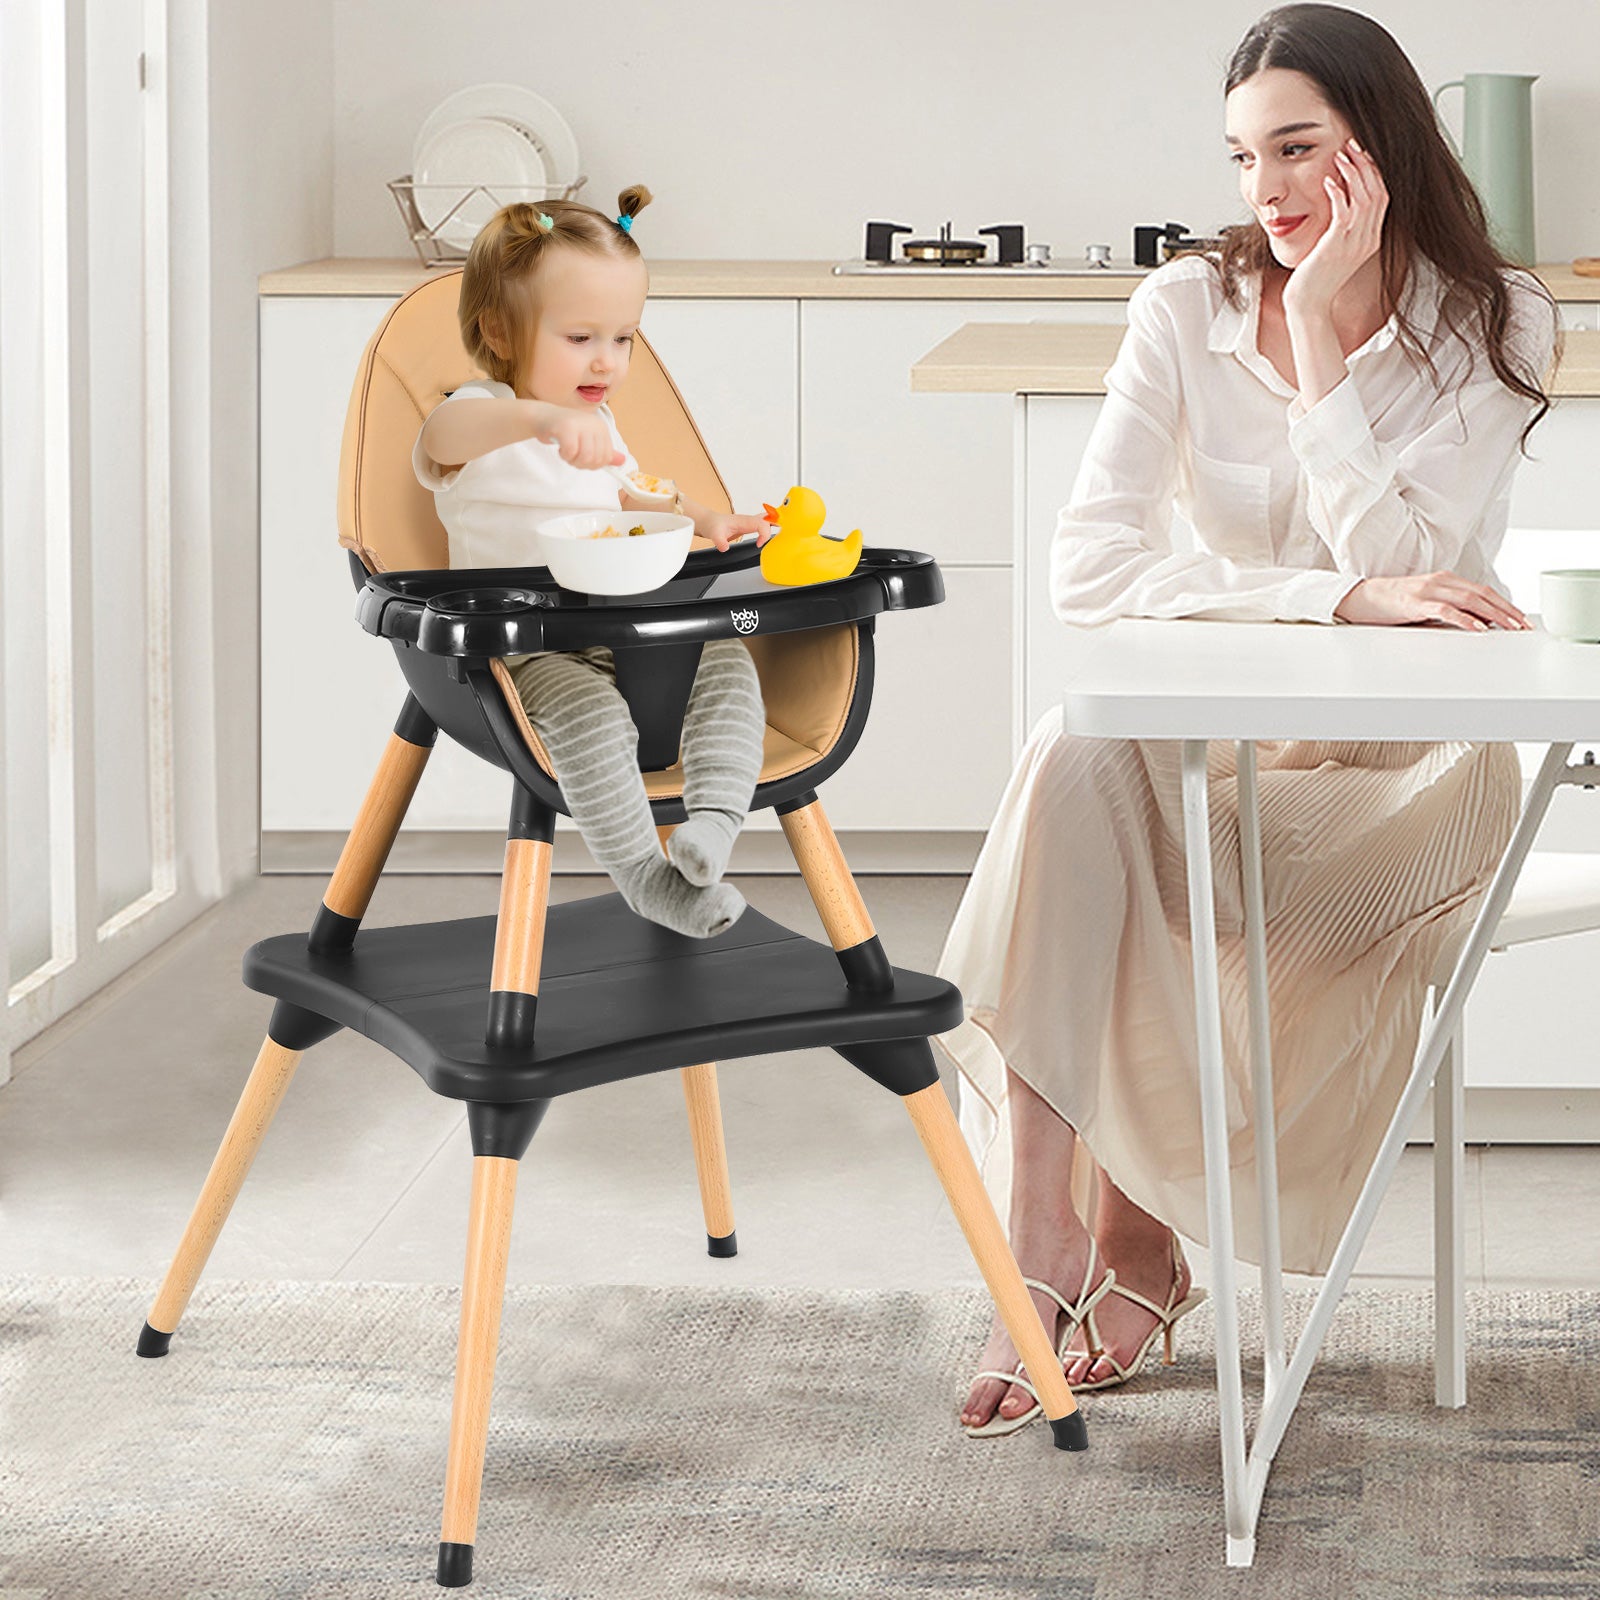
(1277,1411)
(1214,1134)
(1449,1232)
(1244,1473)
(1266,1119)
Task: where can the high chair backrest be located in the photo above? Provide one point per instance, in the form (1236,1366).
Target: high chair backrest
(410,364)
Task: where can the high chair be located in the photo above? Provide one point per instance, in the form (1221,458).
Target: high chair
(507,1012)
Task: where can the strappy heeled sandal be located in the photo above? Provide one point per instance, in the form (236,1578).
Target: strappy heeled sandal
(1088,1299)
(1166,1316)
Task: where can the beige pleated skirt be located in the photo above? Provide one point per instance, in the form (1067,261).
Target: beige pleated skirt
(1071,948)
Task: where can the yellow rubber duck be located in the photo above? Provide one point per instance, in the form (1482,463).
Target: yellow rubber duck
(800,552)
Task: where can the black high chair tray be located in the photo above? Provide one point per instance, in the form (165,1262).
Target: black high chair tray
(618,997)
(498,611)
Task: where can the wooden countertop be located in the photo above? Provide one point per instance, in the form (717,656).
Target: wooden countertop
(790,280)
(739,280)
(1072,358)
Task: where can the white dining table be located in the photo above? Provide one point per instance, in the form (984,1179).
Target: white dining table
(1194,681)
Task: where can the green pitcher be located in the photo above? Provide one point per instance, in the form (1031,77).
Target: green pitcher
(1497,133)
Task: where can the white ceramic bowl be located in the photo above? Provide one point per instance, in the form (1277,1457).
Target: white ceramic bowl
(629,565)
(1569,604)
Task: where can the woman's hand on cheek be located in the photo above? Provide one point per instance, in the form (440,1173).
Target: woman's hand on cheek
(1359,199)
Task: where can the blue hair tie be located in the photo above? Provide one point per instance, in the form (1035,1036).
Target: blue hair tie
(547,223)
(625,222)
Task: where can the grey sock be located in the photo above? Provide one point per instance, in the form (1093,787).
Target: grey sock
(699,848)
(723,728)
(657,890)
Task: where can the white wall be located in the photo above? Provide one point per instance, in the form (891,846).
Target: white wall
(270,194)
(778,130)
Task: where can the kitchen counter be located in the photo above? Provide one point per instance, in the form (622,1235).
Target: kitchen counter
(737,280)
(794,280)
(1072,358)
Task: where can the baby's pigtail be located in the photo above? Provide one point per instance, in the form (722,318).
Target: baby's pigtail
(633,200)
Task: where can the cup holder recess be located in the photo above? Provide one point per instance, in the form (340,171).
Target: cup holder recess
(486,602)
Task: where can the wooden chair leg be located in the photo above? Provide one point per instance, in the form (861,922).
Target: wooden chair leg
(292,1031)
(941,1137)
(710,1157)
(849,927)
(263,1093)
(834,893)
(705,1131)
(367,848)
(494,1193)
(519,928)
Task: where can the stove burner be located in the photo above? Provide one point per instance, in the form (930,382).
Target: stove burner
(945,251)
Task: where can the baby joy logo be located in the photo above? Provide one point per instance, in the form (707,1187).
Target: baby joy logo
(745,619)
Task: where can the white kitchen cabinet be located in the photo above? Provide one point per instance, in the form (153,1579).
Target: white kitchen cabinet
(1555,482)
(785,391)
(926,472)
(329,692)
(736,364)
(936,750)
(1051,434)
(937,746)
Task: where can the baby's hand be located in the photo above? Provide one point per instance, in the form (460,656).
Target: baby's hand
(722,526)
(583,438)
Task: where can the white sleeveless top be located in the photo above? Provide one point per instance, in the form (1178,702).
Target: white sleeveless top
(491,505)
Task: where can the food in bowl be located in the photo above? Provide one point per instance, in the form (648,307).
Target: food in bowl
(598,552)
(657,488)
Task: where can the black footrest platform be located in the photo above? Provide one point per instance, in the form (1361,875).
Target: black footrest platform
(618,996)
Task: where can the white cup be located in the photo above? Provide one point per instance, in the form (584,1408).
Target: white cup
(1569,603)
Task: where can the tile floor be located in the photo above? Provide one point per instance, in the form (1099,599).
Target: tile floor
(110,1124)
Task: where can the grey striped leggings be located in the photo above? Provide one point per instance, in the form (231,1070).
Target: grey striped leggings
(573,703)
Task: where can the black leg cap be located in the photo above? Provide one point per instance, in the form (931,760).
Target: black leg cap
(728,1245)
(1070,1433)
(152,1341)
(455,1565)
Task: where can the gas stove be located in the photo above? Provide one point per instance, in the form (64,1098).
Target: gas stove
(946,253)
(1152,247)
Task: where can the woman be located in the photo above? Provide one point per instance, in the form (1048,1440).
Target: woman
(1335,404)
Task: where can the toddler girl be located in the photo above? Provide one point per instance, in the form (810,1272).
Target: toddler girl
(550,300)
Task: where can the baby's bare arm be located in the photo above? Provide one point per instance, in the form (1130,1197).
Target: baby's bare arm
(720,526)
(456,434)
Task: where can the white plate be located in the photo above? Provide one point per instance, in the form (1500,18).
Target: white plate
(508,102)
(481,150)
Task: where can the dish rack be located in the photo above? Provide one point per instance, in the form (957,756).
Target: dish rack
(431,246)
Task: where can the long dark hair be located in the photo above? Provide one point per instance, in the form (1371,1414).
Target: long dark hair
(1433,211)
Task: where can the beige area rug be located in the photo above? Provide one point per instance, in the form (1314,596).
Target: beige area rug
(741,1445)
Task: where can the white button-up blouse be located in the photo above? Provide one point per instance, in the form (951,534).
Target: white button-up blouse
(1281,510)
